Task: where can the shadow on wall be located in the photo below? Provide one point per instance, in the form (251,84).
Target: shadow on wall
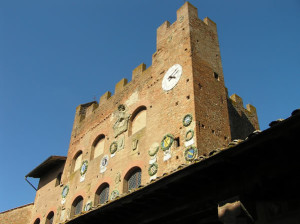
(241,125)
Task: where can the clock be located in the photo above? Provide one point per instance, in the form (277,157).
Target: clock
(171,77)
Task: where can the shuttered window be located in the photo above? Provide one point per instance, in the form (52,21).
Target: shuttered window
(77,206)
(134,180)
(103,197)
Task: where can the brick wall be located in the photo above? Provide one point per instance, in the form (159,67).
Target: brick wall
(20,215)
(200,92)
(48,196)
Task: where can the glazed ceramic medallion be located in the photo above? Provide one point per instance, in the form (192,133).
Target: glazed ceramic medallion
(153,169)
(113,147)
(83,167)
(114,194)
(187,120)
(104,163)
(167,142)
(191,153)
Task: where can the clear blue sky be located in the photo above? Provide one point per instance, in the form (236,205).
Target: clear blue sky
(55,55)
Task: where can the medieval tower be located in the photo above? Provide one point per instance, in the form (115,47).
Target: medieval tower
(169,114)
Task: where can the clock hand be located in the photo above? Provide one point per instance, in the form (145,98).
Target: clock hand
(171,77)
(174,72)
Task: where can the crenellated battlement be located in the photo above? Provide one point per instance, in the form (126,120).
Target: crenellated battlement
(238,102)
(85,110)
(184,14)
(238,115)
(138,70)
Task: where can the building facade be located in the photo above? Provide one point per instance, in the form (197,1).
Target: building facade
(168,116)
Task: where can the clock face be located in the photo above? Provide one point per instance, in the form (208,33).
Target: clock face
(172,77)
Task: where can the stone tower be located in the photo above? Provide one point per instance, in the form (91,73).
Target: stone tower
(169,114)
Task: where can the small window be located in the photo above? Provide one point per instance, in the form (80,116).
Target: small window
(77,161)
(102,194)
(132,179)
(177,142)
(49,219)
(216,76)
(77,206)
(37,221)
(58,179)
(138,120)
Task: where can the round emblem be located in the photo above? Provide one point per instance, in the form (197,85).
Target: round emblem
(84,167)
(153,169)
(104,161)
(171,77)
(88,206)
(114,194)
(65,191)
(191,153)
(113,147)
(187,120)
(167,141)
(189,135)
(153,150)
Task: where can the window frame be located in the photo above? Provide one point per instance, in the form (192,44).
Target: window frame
(77,200)
(133,171)
(98,193)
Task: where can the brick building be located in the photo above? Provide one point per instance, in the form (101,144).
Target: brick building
(158,135)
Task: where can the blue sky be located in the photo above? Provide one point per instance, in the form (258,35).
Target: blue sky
(55,55)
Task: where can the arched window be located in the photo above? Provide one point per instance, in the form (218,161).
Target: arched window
(102,194)
(132,179)
(37,221)
(58,179)
(49,219)
(77,206)
(138,119)
(77,161)
(98,146)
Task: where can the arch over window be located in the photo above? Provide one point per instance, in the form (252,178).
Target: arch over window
(138,119)
(77,161)
(102,194)
(77,206)
(132,179)
(98,146)
(37,221)
(50,217)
